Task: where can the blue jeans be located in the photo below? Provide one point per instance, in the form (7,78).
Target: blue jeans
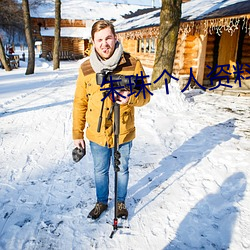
(102,157)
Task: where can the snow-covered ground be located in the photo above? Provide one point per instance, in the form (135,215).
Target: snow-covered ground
(189,170)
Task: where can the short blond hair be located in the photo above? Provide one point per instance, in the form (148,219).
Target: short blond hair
(101,24)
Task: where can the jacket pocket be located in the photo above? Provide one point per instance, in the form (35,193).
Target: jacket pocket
(127,120)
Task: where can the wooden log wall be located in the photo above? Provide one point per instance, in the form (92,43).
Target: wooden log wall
(73,45)
(50,22)
(79,46)
(245,57)
(131,46)
(186,56)
(66,44)
(146,59)
(186,53)
(210,53)
(178,61)
(196,49)
(47,45)
(190,55)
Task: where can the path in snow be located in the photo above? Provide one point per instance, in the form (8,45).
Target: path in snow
(188,176)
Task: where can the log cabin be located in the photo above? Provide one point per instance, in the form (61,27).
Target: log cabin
(74,37)
(211,34)
(77,19)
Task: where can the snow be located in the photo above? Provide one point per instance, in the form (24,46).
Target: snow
(189,169)
(86,10)
(196,9)
(84,33)
(155,3)
(145,20)
(192,10)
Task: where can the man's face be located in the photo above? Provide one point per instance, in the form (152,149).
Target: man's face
(104,42)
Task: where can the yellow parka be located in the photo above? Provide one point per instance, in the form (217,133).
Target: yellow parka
(87,105)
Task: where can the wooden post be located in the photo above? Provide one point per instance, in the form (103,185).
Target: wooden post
(144,45)
(140,41)
(201,58)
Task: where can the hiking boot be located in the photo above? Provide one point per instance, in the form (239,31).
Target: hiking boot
(97,210)
(122,211)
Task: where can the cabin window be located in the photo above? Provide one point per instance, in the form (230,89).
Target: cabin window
(146,45)
(140,45)
(152,45)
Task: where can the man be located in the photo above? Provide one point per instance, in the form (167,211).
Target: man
(107,54)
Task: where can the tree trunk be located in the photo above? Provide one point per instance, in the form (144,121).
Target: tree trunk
(3,57)
(56,59)
(28,33)
(168,34)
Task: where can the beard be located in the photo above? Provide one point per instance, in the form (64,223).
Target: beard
(105,53)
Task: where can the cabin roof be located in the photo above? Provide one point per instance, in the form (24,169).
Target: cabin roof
(84,10)
(208,9)
(193,10)
(140,21)
(77,32)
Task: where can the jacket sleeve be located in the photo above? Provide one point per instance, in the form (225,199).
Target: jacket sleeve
(142,96)
(80,106)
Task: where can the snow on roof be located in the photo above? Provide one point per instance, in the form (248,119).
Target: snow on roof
(79,32)
(85,10)
(197,9)
(192,10)
(145,20)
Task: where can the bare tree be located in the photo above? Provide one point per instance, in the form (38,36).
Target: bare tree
(168,34)
(36,3)
(11,16)
(28,33)
(11,24)
(56,59)
(3,57)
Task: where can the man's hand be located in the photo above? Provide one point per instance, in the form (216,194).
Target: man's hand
(121,100)
(79,143)
(79,151)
